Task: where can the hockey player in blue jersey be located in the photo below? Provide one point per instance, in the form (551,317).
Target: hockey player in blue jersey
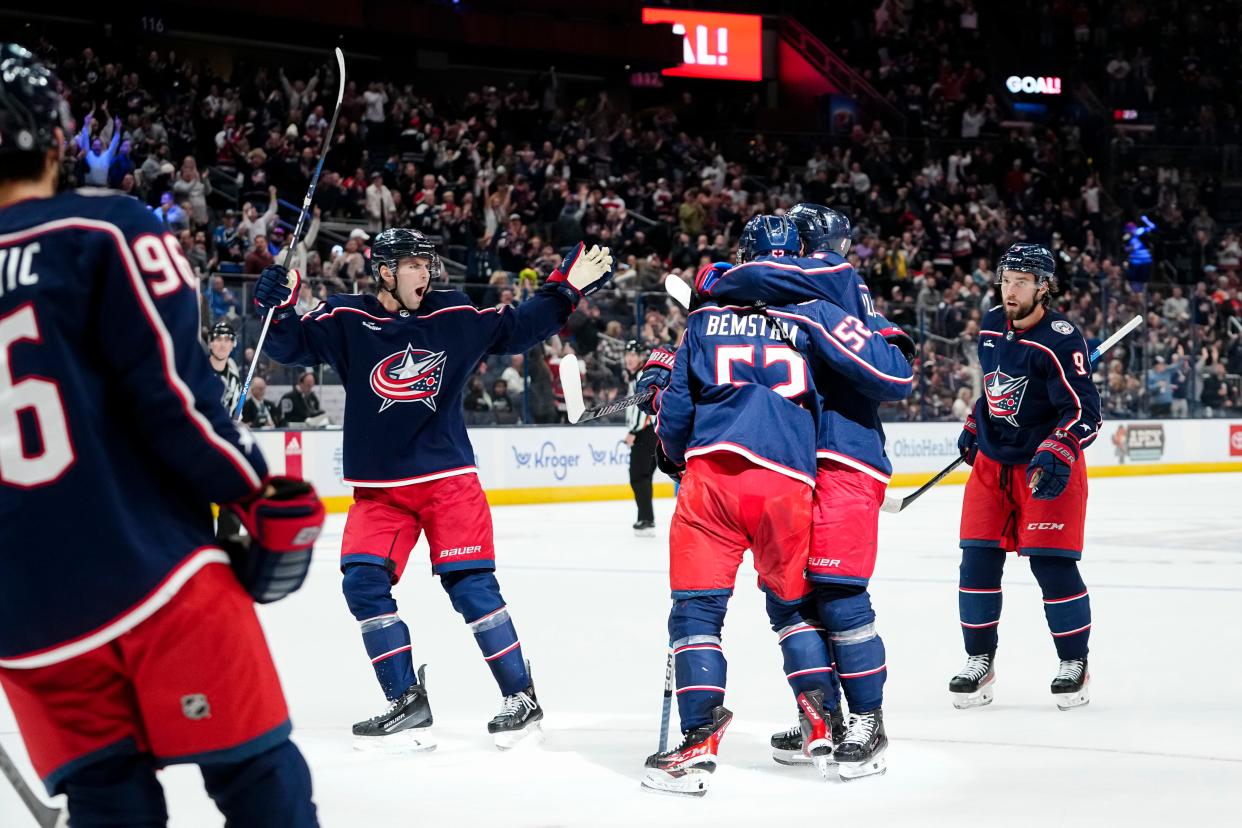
(1027,491)
(741,413)
(127,642)
(852,471)
(405,355)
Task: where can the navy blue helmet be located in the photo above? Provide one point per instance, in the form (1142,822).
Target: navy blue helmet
(30,105)
(396,243)
(1035,259)
(765,235)
(822,229)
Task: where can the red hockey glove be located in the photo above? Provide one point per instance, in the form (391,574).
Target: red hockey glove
(708,276)
(656,373)
(283,520)
(1049,471)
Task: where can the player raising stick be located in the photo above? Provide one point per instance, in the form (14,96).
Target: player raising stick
(1027,490)
(740,413)
(126,641)
(405,355)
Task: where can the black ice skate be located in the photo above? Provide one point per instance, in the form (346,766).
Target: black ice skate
(861,752)
(518,719)
(686,769)
(973,685)
(1070,687)
(644,529)
(787,745)
(404,726)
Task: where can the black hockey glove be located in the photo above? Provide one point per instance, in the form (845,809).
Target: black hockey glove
(894,335)
(1050,469)
(283,520)
(667,466)
(968,440)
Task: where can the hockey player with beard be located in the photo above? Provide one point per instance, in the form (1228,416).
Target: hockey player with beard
(740,414)
(405,355)
(1027,490)
(852,472)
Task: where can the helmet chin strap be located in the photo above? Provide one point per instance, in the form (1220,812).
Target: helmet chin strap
(392,291)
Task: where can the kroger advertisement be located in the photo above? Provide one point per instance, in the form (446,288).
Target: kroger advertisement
(539,464)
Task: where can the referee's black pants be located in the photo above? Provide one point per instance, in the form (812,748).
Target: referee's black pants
(642,469)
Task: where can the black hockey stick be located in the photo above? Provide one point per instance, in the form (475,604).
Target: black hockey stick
(575,407)
(895,504)
(668,701)
(297,230)
(46,816)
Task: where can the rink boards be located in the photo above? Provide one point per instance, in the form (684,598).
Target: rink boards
(547,464)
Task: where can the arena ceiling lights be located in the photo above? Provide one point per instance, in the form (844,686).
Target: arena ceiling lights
(715,45)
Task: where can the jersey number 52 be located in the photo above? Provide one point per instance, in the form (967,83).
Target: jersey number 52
(728,355)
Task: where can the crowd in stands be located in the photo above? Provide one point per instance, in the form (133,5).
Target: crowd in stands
(508,177)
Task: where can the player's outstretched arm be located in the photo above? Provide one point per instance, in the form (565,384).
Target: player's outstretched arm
(291,339)
(580,274)
(779,283)
(847,345)
(148,336)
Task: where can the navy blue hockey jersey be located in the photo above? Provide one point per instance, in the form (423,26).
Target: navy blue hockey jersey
(850,430)
(1034,382)
(405,373)
(737,386)
(113,442)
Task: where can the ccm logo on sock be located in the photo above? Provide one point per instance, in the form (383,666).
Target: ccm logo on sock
(1031,526)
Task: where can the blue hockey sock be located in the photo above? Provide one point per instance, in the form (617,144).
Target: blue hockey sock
(1066,604)
(475,594)
(118,790)
(387,640)
(368,592)
(694,626)
(979,597)
(273,788)
(805,651)
(861,666)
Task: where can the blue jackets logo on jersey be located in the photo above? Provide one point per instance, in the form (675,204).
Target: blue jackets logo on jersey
(1004,395)
(411,375)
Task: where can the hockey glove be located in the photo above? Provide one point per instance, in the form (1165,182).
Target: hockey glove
(894,335)
(1049,471)
(968,440)
(582,272)
(655,374)
(708,276)
(667,466)
(277,289)
(283,521)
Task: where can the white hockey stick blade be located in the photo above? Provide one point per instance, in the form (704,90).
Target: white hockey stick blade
(891,504)
(571,384)
(1121,333)
(677,288)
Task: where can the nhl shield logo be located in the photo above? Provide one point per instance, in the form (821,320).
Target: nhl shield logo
(411,375)
(1004,395)
(195,707)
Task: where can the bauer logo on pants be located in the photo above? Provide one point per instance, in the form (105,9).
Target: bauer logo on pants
(411,375)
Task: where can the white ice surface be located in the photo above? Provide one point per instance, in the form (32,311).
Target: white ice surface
(1160,743)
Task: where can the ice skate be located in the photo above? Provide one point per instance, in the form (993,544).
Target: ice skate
(974,683)
(1070,687)
(861,752)
(687,769)
(644,529)
(787,745)
(518,720)
(405,726)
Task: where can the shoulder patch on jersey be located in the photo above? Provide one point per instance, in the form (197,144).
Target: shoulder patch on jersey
(1062,327)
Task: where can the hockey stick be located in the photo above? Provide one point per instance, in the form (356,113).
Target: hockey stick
(46,816)
(575,407)
(894,504)
(678,289)
(297,230)
(668,701)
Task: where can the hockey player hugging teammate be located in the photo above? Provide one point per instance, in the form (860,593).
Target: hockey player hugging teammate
(405,356)
(740,414)
(1028,483)
(852,469)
